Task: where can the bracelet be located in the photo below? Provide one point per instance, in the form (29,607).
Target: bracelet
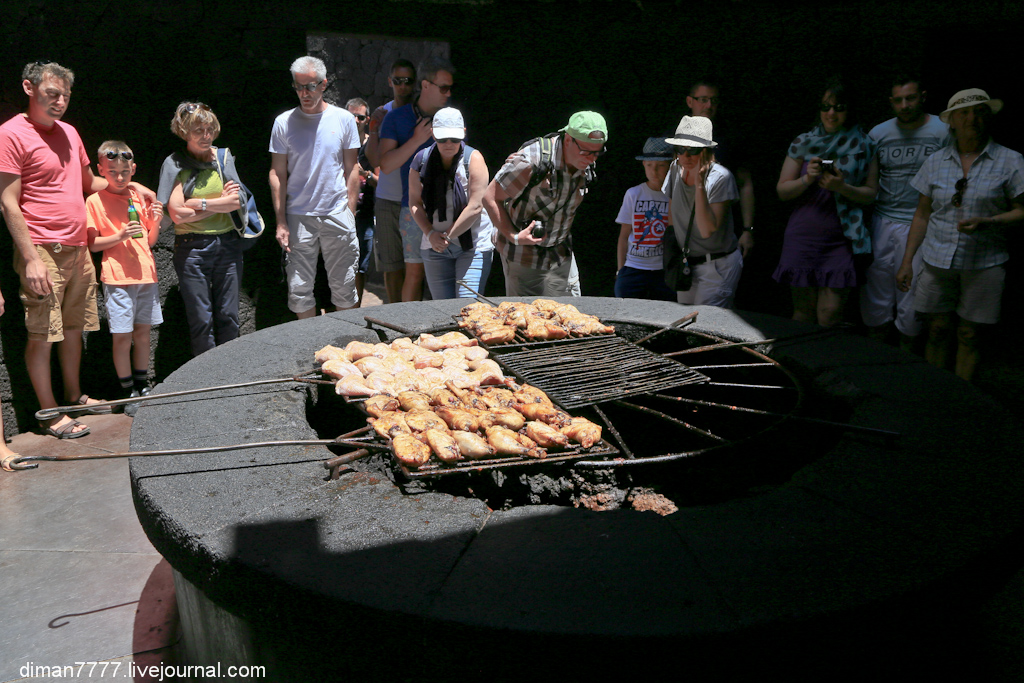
(203,200)
(515,238)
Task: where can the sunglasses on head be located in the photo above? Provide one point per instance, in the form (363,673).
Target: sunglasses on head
(311,87)
(840,108)
(401,80)
(127,156)
(958,198)
(193,106)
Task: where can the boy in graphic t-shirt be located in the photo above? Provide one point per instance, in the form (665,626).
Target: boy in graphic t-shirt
(643,220)
(124,227)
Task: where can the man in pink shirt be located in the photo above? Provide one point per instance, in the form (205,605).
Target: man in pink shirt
(44,177)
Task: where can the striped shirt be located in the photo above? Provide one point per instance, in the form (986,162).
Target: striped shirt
(995,179)
(553,201)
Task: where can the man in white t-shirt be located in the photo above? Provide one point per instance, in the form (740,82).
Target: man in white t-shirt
(904,142)
(314,184)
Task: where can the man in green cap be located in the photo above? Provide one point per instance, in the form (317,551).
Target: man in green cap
(532,202)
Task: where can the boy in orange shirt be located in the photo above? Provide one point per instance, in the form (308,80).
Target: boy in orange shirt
(124,227)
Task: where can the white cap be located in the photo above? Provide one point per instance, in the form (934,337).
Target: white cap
(448,123)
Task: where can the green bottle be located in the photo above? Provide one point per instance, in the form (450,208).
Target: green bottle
(133,215)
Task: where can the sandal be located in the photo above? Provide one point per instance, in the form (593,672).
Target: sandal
(83,400)
(67,430)
(5,462)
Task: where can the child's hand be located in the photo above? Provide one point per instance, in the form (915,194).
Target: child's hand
(156,210)
(134,229)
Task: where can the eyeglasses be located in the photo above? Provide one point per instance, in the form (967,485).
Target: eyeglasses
(958,198)
(448,141)
(402,80)
(191,107)
(708,100)
(590,153)
(840,108)
(445,89)
(311,87)
(127,156)
(690,151)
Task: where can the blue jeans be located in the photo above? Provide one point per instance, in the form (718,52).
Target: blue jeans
(209,271)
(444,268)
(633,283)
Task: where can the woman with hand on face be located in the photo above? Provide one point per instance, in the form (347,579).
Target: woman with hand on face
(831,173)
(207,249)
(701,192)
(447,182)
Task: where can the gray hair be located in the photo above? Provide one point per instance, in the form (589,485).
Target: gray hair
(357,102)
(429,67)
(36,71)
(304,65)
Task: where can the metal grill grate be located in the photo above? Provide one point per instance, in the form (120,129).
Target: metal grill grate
(583,372)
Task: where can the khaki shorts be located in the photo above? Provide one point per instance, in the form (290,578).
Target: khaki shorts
(975,295)
(71,304)
(387,240)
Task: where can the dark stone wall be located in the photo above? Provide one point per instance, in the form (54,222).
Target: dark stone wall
(523,68)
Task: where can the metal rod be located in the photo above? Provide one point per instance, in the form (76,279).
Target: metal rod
(755,411)
(20,463)
(687,425)
(615,433)
(334,464)
(747,386)
(776,340)
(50,413)
(477,294)
(687,319)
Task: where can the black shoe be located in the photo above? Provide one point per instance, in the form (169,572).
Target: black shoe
(131,408)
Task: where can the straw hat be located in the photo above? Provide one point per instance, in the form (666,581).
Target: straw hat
(970,98)
(693,131)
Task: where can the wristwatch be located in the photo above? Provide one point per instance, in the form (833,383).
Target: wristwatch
(203,204)
(515,238)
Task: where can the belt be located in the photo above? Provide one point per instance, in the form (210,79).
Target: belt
(57,247)
(708,258)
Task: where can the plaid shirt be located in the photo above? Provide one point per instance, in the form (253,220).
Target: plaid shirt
(554,201)
(995,179)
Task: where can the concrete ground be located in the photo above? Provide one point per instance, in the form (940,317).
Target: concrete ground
(81,583)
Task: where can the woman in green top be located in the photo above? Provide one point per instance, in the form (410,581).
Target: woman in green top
(207,250)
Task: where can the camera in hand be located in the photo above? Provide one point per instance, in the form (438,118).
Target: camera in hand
(828,166)
(538,230)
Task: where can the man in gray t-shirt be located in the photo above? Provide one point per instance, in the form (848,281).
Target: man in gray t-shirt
(904,142)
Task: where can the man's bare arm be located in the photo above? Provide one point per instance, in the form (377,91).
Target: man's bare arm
(279,195)
(36,275)
(350,160)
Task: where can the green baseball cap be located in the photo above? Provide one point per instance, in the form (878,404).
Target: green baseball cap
(587,126)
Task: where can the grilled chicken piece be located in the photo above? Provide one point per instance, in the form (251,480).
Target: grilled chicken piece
(497,334)
(473,353)
(454,358)
(495,397)
(468,399)
(413,400)
(338,368)
(331,353)
(475,309)
(420,420)
(473,445)
(507,442)
(389,423)
(461,378)
(368,364)
(358,349)
(421,358)
(546,436)
(410,451)
(444,445)
(408,380)
(354,385)
(382,383)
(582,431)
(503,417)
(457,418)
(545,412)
(584,324)
(445,341)
(379,404)
(402,343)
(538,328)
(546,304)
(531,394)
(444,397)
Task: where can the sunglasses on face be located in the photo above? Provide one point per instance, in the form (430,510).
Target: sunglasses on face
(127,156)
(448,141)
(590,153)
(958,198)
(361,117)
(445,89)
(689,151)
(708,100)
(311,87)
(401,80)
(840,108)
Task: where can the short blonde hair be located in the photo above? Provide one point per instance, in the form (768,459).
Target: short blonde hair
(189,115)
(116,146)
